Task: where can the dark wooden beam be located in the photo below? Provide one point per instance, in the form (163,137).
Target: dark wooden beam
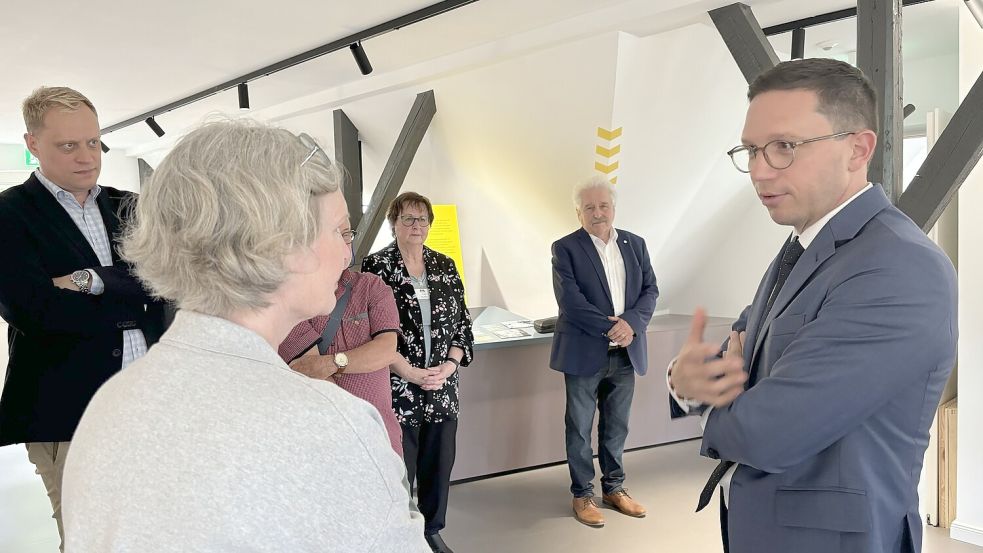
(145,171)
(745,39)
(348,154)
(948,163)
(417,122)
(879,57)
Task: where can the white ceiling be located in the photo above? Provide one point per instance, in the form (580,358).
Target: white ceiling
(131,57)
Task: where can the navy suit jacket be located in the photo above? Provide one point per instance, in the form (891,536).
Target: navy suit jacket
(580,344)
(63,344)
(848,368)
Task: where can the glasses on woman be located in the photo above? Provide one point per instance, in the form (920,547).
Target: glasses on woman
(349,236)
(779,154)
(409,220)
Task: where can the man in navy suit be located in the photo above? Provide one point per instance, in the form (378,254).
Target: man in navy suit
(76,313)
(605,289)
(820,408)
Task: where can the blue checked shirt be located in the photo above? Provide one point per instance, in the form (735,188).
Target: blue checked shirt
(89,222)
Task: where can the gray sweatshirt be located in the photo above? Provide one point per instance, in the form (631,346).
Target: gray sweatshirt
(211,443)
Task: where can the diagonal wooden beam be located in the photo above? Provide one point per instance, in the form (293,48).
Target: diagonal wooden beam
(745,39)
(879,57)
(348,153)
(417,122)
(948,163)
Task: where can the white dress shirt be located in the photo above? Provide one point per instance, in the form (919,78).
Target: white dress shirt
(806,238)
(614,270)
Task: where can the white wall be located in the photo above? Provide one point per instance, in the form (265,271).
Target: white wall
(508,142)
(682,99)
(120,171)
(968,525)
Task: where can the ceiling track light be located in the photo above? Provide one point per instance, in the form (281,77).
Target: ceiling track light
(360,58)
(243,96)
(105,149)
(154,126)
(976,8)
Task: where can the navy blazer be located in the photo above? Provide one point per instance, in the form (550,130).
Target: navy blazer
(580,343)
(848,368)
(63,344)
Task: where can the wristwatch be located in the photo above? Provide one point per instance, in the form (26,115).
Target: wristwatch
(82,279)
(340,361)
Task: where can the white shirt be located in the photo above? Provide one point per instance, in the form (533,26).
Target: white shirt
(614,269)
(808,235)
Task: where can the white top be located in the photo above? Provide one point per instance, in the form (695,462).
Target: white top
(210,443)
(808,235)
(614,269)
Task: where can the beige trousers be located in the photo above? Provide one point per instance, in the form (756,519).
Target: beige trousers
(49,462)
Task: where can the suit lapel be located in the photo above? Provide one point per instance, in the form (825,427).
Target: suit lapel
(632,268)
(59,220)
(110,208)
(591,251)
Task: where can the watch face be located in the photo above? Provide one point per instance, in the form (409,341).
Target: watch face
(341,359)
(80,276)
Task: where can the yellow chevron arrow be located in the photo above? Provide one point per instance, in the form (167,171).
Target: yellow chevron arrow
(606,168)
(614,180)
(609,135)
(607,152)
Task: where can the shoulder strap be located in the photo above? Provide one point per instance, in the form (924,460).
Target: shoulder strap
(334,321)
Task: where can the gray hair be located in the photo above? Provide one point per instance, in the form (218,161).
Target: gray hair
(595,181)
(221,212)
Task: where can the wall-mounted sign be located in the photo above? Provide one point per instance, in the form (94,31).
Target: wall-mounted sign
(29,159)
(445,236)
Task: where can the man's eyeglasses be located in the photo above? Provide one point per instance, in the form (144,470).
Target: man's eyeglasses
(349,236)
(779,154)
(409,220)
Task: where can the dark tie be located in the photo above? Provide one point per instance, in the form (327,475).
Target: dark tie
(790,255)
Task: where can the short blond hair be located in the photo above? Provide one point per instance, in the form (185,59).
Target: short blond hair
(221,212)
(48,97)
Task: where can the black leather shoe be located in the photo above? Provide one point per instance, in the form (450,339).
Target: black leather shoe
(437,544)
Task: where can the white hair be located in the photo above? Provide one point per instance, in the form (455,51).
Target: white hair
(595,181)
(222,211)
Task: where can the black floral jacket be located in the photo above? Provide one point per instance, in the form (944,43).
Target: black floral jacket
(450,325)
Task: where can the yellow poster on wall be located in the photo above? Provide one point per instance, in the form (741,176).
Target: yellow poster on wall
(445,235)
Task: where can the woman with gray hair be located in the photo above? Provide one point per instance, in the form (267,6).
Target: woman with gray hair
(210,442)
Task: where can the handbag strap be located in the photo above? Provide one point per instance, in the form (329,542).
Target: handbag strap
(334,321)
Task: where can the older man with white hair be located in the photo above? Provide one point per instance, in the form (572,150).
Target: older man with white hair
(606,292)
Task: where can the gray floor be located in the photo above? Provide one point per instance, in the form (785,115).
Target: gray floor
(526,512)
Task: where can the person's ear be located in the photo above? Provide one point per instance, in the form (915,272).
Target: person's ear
(864,143)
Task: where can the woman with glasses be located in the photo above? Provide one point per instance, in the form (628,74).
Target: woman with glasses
(210,442)
(355,351)
(437,340)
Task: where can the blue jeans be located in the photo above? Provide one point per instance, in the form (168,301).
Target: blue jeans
(610,392)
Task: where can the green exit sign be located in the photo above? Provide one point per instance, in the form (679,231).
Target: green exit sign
(29,159)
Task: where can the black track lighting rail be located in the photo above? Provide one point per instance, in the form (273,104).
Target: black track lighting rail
(391,25)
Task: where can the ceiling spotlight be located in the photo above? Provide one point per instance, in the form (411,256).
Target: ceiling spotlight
(243,96)
(827,45)
(976,8)
(360,58)
(154,126)
(105,149)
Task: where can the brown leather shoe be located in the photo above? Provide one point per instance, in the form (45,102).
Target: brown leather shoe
(623,502)
(586,511)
